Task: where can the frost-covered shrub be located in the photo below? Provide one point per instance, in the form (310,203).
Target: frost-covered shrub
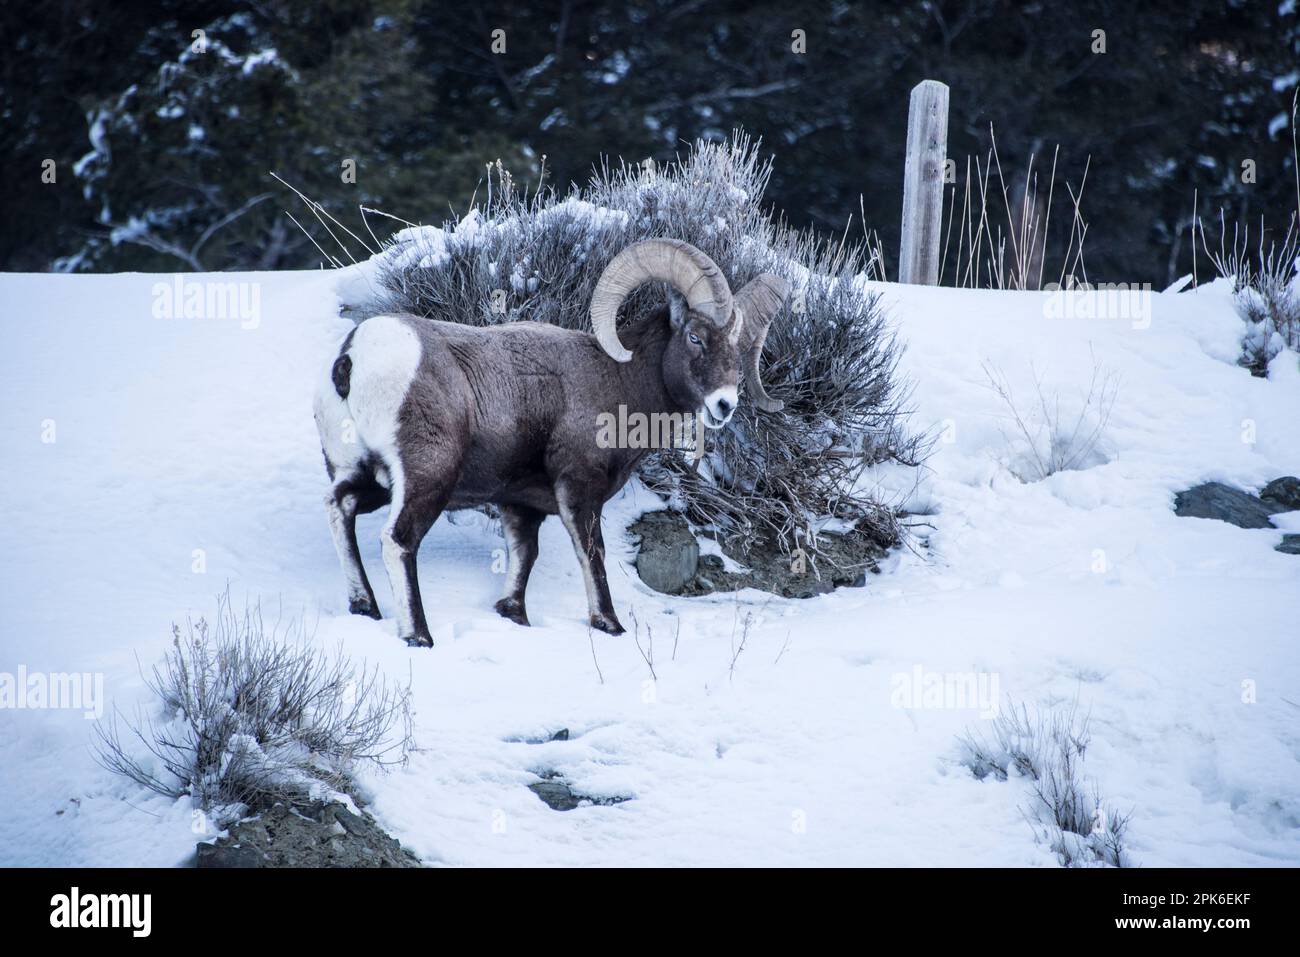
(828,356)
(250,715)
(1265,286)
(1066,812)
(1049,434)
(1269,301)
(1265,275)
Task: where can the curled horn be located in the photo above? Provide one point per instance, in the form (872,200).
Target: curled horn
(685,268)
(757,303)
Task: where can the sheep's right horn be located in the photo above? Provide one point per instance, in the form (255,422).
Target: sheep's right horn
(685,268)
(757,302)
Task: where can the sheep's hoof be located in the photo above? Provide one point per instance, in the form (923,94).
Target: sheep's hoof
(607,623)
(363,606)
(513,609)
(419,641)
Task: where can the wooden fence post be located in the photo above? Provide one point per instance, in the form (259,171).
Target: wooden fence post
(927,149)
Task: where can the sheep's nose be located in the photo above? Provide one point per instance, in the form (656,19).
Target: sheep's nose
(721,403)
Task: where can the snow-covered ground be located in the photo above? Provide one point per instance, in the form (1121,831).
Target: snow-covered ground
(151,460)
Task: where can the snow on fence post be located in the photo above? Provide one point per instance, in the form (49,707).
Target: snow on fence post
(927,149)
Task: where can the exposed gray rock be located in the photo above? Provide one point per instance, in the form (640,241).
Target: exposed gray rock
(561,735)
(228,856)
(669,555)
(1225,503)
(1282,494)
(556,794)
(841,560)
(1290,545)
(305,834)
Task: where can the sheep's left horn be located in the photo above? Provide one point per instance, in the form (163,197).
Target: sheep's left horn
(687,269)
(757,303)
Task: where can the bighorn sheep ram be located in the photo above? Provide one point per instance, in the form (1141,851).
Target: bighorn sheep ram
(431,415)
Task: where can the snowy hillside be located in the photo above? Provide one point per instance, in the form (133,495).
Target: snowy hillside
(152,460)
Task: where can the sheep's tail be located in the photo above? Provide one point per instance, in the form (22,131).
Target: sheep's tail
(341,374)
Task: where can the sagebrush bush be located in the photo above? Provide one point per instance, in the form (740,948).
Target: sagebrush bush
(1266,278)
(1045,437)
(1268,298)
(1066,812)
(829,355)
(1265,288)
(250,715)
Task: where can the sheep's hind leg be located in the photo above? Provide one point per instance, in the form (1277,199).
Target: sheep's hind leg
(350,497)
(415,509)
(520,524)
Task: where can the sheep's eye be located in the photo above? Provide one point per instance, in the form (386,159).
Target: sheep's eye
(694,339)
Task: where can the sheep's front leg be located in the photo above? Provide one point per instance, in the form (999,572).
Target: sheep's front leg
(520,524)
(580,512)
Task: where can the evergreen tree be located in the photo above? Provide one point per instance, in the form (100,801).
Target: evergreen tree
(163,153)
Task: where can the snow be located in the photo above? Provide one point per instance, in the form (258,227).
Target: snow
(98,136)
(184,457)
(133,229)
(268,56)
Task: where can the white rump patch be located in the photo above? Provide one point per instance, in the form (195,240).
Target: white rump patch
(385,354)
(332,422)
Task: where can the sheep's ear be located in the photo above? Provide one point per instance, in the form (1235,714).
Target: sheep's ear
(677,308)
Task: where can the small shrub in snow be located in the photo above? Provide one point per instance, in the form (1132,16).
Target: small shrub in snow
(250,716)
(1066,812)
(1266,289)
(1046,438)
(1268,298)
(1265,282)
(829,355)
